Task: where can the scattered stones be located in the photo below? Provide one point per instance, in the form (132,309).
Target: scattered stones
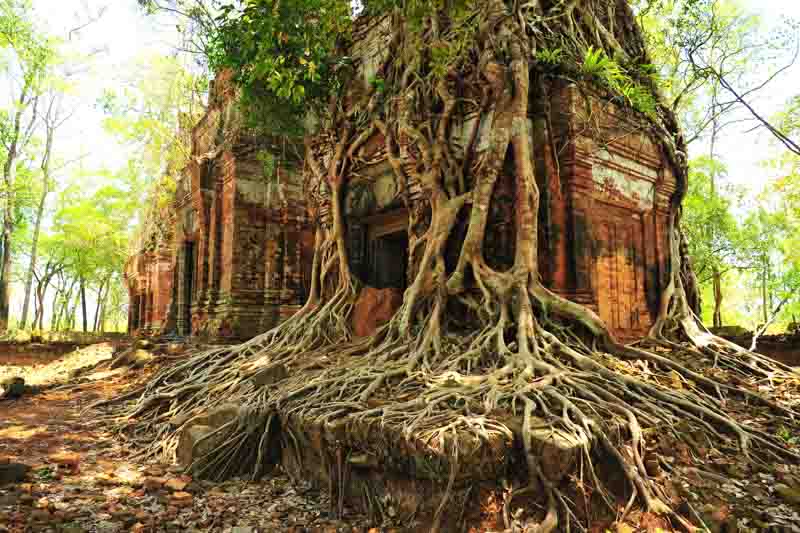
(194,442)
(107,480)
(177,484)
(69,462)
(12,473)
(181,499)
(40,515)
(153,483)
(12,388)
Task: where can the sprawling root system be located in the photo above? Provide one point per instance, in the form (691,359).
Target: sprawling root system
(524,352)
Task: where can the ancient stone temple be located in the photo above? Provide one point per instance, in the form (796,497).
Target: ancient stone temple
(232,265)
(603,215)
(241,247)
(603,223)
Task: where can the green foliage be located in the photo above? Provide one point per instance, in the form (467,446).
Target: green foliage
(378,83)
(598,66)
(694,41)
(711,229)
(91,229)
(283,54)
(32,51)
(751,242)
(155,110)
(289,56)
(550,57)
(787,435)
(46,473)
(270,165)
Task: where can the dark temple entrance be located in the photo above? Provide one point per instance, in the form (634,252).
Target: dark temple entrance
(185,307)
(379,247)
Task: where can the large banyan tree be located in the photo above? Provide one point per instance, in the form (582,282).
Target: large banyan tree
(484,360)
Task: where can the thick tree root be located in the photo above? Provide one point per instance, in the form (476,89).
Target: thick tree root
(430,392)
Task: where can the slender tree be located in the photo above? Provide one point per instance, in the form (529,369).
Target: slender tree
(32,55)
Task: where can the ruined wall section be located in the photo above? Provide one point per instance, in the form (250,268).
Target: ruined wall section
(232,265)
(615,189)
(148,275)
(238,262)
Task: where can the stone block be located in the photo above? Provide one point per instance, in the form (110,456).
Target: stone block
(374,308)
(12,388)
(558,450)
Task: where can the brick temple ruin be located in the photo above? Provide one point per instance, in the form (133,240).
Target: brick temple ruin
(230,262)
(239,256)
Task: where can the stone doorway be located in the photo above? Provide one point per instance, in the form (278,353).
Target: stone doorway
(383,261)
(388,261)
(185,306)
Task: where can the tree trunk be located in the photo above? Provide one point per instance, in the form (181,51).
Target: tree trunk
(98,305)
(72,315)
(764,297)
(18,139)
(103,307)
(83,306)
(66,299)
(38,223)
(716,278)
(5,274)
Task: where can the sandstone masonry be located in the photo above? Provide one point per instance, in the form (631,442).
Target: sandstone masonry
(231,264)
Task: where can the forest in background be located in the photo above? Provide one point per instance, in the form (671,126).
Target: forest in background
(69,223)
(68,228)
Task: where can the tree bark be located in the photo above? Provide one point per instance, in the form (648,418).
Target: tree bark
(716,278)
(764,297)
(83,305)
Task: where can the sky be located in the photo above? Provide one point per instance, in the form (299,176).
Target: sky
(121,36)
(124,35)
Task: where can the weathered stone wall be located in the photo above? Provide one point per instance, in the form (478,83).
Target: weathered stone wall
(234,266)
(149,276)
(609,222)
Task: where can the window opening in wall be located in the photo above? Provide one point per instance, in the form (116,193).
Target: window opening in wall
(188,289)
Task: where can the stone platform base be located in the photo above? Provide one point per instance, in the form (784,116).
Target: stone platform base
(397,477)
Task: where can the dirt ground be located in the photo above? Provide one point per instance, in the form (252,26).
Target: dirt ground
(85,479)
